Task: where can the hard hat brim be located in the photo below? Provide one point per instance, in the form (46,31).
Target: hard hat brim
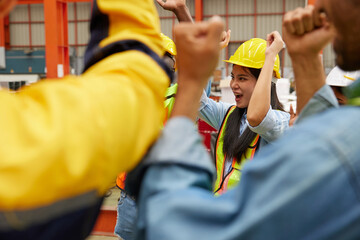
(277,74)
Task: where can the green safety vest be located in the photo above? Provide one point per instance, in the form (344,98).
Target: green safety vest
(231,179)
(170,100)
(352,92)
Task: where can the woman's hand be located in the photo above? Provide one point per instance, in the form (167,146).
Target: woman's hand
(225,39)
(198,49)
(274,43)
(293,116)
(198,55)
(171,5)
(178,7)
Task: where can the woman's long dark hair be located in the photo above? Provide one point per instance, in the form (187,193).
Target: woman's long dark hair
(235,146)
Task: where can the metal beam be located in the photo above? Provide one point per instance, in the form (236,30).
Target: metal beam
(255,18)
(198,10)
(56,38)
(42,1)
(2,32)
(30,1)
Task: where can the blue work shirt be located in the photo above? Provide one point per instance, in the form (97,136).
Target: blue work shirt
(306,185)
(274,124)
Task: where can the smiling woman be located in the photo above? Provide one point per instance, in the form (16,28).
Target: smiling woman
(255,120)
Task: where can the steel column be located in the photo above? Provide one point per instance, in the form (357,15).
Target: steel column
(7,32)
(42,1)
(227,28)
(255,18)
(76,27)
(2,32)
(30,1)
(29,18)
(56,38)
(198,10)
(283,51)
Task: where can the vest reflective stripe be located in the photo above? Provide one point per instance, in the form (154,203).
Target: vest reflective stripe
(232,178)
(352,92)
(169,100)
(120,180)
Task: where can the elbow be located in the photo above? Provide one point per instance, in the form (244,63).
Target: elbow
(254,119)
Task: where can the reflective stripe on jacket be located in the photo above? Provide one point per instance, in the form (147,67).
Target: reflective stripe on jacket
(169,100)
(233,177)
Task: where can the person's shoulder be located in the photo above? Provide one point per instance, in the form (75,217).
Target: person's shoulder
(339,114)
(334,122)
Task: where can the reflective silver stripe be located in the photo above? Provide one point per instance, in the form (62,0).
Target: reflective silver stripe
(21,219)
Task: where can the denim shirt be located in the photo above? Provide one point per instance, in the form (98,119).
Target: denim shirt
(274,124)
(306,185)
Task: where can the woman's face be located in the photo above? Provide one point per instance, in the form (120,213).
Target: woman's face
(242,84)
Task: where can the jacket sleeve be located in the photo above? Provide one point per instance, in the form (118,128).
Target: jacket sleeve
(71,136)
(274,124)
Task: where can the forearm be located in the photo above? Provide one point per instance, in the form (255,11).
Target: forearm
(187,99)
(199,44)
(260,99)
(309,78)
(182,13)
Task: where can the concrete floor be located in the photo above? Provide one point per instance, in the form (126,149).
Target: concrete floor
(112,198)
(110,201)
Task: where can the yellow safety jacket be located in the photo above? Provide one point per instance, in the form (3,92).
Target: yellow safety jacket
(169,105)
(222,184)
(63,142)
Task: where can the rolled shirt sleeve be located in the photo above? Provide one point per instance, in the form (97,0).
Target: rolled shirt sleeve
(274,124)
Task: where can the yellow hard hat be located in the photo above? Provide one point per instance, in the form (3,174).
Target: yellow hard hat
(252,54)
(169,44)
